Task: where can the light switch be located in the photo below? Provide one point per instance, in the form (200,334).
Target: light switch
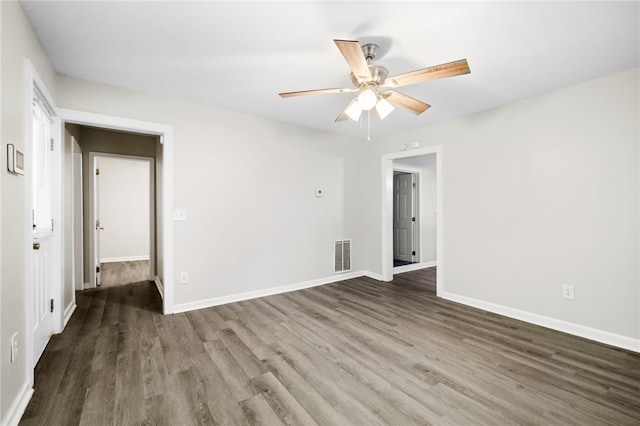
(179,215)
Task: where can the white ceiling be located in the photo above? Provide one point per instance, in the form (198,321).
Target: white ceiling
(240,55)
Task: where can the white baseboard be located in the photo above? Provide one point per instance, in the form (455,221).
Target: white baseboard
(159,286)
(215,301)
(372,275)
(16,410)
(124,259)
(68,311)
(413,267)
(552,323)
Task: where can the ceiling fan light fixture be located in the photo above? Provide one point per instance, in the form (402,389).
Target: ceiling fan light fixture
(384,108)
(353,110)
(367,99)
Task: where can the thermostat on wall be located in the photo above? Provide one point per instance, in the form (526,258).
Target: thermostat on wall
(319,193)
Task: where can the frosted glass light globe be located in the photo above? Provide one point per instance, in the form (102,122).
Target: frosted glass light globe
(367,99)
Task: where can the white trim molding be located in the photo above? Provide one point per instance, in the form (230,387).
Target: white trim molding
(413,267)
(68,311)
(19,405)
(373,275)
(124,259)
(159,286)
(239,297)
(552,323)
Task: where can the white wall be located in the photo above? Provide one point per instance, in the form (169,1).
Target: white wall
(124,209)
(247,183)
(426,165)
(541,193)
(17,43)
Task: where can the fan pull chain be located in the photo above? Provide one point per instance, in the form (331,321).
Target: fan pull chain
(369,126)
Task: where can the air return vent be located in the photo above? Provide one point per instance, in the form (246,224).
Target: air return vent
(342,256)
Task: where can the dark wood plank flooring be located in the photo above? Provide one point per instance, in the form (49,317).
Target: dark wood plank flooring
(357,352)
(119,273)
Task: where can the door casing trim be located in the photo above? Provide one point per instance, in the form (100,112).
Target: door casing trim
(165,208)
(387,212)
(152,206)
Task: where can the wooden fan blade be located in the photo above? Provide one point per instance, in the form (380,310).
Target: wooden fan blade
(316,92)
(352,53)
(398,99)
(342,117)
(431,73)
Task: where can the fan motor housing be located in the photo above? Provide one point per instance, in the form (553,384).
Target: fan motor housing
(378,73)
(378,76)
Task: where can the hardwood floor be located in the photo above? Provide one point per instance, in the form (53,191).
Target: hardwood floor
(357,352)
(119,273)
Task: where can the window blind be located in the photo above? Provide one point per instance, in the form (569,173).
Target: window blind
(42,146)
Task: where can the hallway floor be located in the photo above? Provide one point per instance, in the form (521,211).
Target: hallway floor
(120,273)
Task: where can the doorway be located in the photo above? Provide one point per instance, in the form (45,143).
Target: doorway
(163,199)
(425,165)
(406,225)
(122,209)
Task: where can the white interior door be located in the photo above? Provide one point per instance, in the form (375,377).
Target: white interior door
(403,217)
(45,266)
(42,270)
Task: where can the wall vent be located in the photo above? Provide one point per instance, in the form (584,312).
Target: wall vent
(342,255)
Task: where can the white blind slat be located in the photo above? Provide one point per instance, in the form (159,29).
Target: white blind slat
(42,169)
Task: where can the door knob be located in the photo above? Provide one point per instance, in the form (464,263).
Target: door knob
(36,246)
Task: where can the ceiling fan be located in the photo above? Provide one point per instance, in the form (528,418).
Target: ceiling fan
(374,86)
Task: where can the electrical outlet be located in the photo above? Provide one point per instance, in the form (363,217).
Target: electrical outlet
(14,346)
(184,278)
(568,292)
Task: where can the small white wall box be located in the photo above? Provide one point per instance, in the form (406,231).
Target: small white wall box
(15,160)
(319,193)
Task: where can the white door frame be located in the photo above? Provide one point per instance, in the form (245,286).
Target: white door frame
(77,221)
(387,211)
(55,288)
(94,222)
(152,209)
(165,210)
